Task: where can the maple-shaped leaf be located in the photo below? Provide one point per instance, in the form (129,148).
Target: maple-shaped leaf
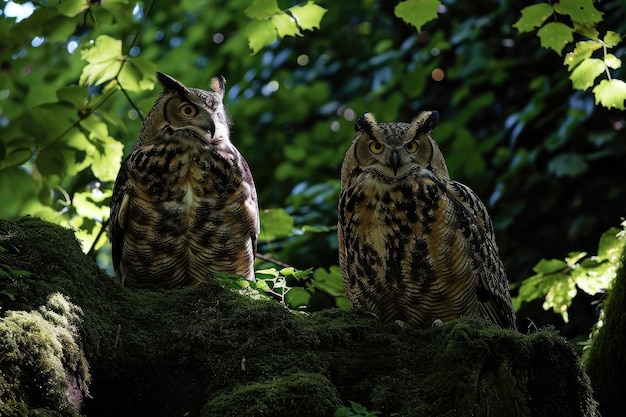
(610,93)
(555,36)
(582,51)
(417,12)
(584,75)
(580,11)
(308,16)
(104,59)
(533,16)
(612,39)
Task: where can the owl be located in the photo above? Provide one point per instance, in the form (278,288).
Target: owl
(414,245)
(184,204)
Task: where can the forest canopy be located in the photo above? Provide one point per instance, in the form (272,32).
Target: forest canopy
(531,101)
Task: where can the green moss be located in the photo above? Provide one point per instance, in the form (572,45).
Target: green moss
(299,394)
(41,355)
(211,350)
(606,361)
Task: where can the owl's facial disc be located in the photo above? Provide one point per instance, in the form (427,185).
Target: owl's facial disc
(190,113)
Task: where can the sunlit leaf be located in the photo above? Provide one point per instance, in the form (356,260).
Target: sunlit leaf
(77,95)
(138,75)
(71,8)
(285,25)
(549,266)
(559,296)
(97,128)
(275,223)
(584,75)
(260,33)
(91,206)
(610,93)
(589,32)
(329,281)
(261,9)
(417,12)
(104,58)
(581,11)
(308,16)
(297,297)
(612,39)
(582,51)
(106,162)
(612,61)
(555,36)
(533,16)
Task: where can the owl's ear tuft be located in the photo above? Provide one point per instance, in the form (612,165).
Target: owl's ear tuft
(218,84)
(171,83)
(427,121)
(365,123)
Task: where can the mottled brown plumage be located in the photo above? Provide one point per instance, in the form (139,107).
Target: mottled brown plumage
(414,245)
(184,203)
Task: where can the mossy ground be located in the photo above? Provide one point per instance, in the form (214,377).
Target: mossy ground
(606,361)
(212,352)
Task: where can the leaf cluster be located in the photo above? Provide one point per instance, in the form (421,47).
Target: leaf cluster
(559,280)
(583,67)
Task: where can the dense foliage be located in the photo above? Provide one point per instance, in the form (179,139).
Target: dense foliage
(78,76)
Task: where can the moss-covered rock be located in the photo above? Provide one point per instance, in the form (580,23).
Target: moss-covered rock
(606,360)
(210,351)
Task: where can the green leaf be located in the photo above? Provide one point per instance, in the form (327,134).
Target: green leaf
(262,9)
(533,16)
(308,16)
(555,36)
(588,31)
(612,61)
(584,75)
(260,33)
(77,95)
(285,25)
(611,244)
(568,165)
(329,281)
(417,12)
(275,223)
(90,206)
(138,74)
(610,93)
(297,297)
(612,39)
(582,51)
(106,163)
(549,266)
(580,11)
(71,8)
(104,58)
(559,297)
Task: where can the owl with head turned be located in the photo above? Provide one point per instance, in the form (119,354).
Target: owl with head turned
(414,245)
(184,204)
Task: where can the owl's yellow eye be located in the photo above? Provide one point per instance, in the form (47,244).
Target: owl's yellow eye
(411,147)
(187,110)
(376,147)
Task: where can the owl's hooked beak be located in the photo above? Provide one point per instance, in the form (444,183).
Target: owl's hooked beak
(395,162)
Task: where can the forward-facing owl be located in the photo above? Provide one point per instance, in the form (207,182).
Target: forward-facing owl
(184,203)
(414,245)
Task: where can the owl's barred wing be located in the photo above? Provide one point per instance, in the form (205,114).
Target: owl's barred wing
(119,202)
(252,206)
(492,285)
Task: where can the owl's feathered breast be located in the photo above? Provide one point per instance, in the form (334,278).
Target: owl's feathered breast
(185,209)
(409,250)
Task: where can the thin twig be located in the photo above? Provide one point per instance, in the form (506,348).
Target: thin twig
(274,261)
(103,228)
